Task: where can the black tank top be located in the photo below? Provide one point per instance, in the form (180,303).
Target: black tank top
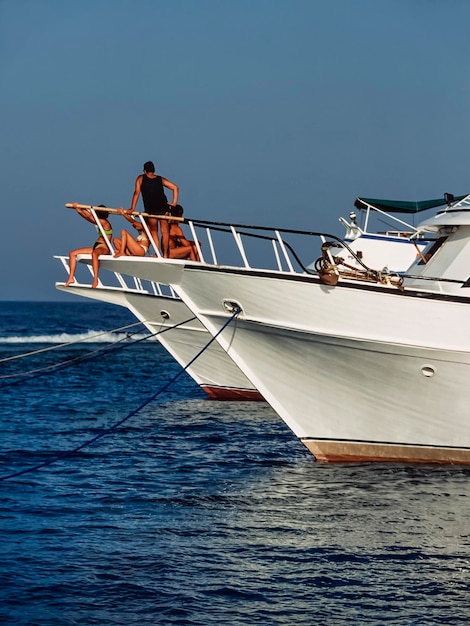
(153,196)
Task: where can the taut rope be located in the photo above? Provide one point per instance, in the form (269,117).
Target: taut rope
(68,343)
(127,417)
(79,359)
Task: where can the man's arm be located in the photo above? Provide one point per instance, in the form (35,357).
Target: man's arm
(135,197)
(174,188)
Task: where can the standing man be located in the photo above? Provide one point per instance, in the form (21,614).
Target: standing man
(155,202)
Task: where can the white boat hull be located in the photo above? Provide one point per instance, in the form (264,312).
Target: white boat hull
(213,371)
(357,385)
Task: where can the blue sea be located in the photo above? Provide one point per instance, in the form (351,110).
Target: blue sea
(179,510)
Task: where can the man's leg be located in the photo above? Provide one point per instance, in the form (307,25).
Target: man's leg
(165,230)
(152,223)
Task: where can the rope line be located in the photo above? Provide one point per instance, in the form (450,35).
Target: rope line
(69,343)
(64,364)
(116,425)
(68,362)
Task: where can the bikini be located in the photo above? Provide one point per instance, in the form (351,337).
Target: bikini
(141,238)
(99,243)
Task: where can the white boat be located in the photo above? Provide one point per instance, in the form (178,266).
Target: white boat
(159,309)
(175,327)
(361,364)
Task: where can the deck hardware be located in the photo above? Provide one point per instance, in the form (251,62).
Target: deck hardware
(231,306)
(428,371)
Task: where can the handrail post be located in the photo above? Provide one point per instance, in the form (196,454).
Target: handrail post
(196,241)
(366,221)
(283,248)
(101,230)
(120,280)
(211,246)
(276,254)
(238,241)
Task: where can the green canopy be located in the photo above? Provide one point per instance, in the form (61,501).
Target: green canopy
(396,206)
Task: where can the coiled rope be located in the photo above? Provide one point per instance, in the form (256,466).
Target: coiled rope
(329,269)
(116,425)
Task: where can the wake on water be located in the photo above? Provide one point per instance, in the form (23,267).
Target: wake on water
(91,336)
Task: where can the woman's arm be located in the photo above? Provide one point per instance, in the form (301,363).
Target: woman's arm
(85,213)
(137,225)
(178,234)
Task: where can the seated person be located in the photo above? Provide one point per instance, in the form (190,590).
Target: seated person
(128,245)
(99,247)
(180,247)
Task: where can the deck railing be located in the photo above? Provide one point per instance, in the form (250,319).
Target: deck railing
(221,243)
(285,250)
(121,282)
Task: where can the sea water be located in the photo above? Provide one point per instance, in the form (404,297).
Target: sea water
(196,512)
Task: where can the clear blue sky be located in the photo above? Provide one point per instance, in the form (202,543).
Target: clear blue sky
(274,112)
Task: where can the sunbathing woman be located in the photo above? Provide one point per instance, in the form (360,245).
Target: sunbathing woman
(99,247)
(128,245)
(180,247)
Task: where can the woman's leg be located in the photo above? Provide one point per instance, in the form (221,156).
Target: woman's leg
(73,263)
(133,247)
(95,262)
(121,249)
(129,246)
(117,245)
(182,252)
(194,253)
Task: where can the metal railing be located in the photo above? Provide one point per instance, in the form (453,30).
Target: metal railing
(286,250)
(122,282)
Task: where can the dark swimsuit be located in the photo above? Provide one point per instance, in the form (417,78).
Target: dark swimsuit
(153,195)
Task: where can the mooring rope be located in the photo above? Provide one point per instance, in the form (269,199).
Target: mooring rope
(84,357)
(68,362)
(68,343)
(116,425)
